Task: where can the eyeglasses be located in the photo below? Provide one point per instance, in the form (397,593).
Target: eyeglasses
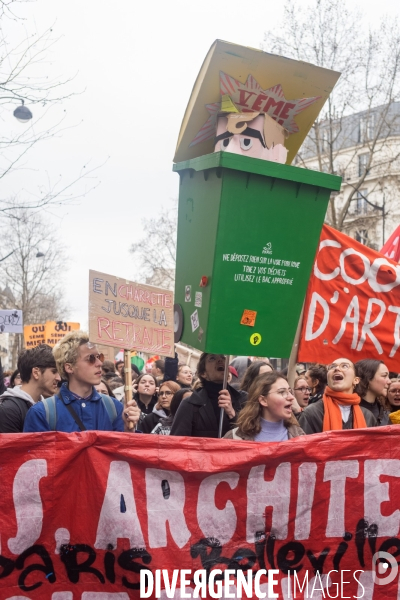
(394,392)
(284,393)
(343,366)
(91,358)
(165,394)
(303,390)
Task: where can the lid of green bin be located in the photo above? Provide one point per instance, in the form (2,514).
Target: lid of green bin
(257,166)
(292,92)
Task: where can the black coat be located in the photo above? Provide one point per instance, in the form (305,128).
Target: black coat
(12,414)
(196,415)
(311,419)
(380,413)
(2,386)
(150,421)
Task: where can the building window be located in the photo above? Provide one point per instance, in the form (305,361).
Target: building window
(366,128)
(361,202)
(362,236)
(363,160)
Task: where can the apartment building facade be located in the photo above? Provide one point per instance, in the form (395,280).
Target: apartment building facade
(364,149)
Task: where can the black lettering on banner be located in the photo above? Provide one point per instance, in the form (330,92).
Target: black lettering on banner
(361,535)
(286,564)
(318,562)
(270,549)
(372,534)
(7,566)
(46,568)
(391,543)
(109,566)
(260,548)
(209,559)
(236,565)
(126,560)
(339,555)
(69,555)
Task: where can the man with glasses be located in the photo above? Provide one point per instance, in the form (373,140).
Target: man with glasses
(78,406)
(302,394)
(340,406)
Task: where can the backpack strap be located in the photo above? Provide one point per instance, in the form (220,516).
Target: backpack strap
(51,413)
(50,410)
(109,406)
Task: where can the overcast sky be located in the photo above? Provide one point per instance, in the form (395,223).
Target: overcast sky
(128,58)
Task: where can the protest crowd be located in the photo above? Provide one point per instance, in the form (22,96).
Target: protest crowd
(72,388)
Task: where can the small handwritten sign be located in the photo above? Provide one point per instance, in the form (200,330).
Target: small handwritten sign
(11,321)
(130,315)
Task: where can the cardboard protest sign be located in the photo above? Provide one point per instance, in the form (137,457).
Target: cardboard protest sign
(49,333)
(130,315)
(55,331)
(109,352)
(82,514)
(11,321)
(235,78)
(352,304)
(34,335)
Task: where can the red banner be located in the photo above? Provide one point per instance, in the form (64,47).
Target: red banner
(392,247)
(352,306)
(82,514)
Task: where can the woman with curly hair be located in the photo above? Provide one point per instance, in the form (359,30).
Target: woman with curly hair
(267,415)
(372,387)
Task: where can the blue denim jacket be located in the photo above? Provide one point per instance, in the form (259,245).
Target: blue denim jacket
(92,413)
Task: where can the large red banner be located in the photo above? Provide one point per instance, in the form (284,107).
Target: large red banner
(82,514)
(352,306)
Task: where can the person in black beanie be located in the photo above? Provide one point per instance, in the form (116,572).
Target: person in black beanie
(198,415)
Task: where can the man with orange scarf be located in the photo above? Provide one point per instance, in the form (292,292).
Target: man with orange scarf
(340,406)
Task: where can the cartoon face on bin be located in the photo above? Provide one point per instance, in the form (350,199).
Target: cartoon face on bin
(251,134)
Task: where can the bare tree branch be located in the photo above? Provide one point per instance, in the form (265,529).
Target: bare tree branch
(34,282)
(156,251)
(362,114)
(23,78)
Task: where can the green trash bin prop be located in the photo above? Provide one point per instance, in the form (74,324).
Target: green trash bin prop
(248,224)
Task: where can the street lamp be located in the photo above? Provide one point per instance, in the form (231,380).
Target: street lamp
(22,113)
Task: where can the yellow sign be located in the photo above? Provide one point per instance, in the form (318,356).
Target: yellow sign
(55,331)
(129,315)
(303,90)
(47,333)
(34,335)
(255,339)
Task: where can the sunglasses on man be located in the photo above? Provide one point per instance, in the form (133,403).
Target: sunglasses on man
(91,358)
